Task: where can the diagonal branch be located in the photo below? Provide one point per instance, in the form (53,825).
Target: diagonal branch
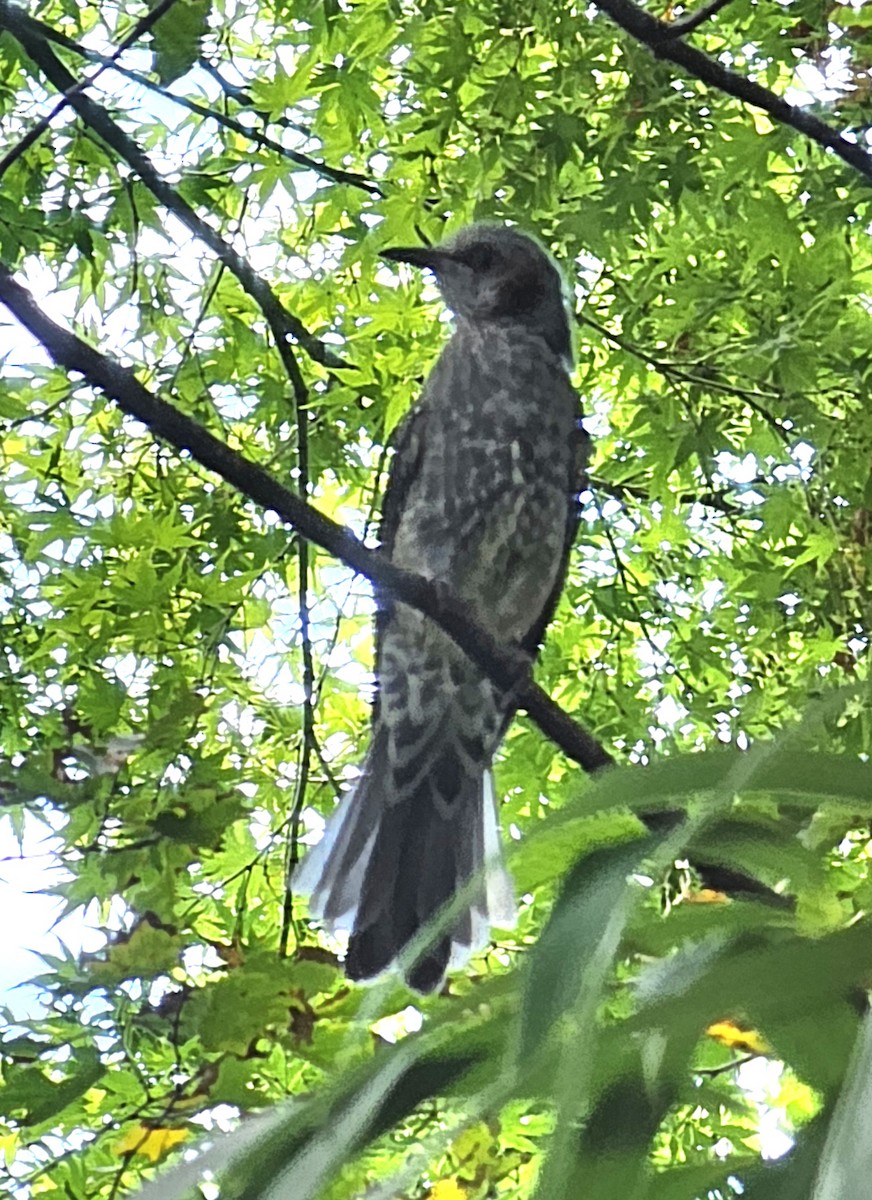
(324,170)
(673,370)
(33,135)
(660,38)
(282,323)
(693,20)
(620,490)
(501,664)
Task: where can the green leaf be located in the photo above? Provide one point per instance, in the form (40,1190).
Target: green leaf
(177,38)
(34,1096)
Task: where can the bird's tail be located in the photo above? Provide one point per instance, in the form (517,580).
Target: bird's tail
(388,864)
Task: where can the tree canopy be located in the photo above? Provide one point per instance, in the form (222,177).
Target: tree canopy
(204,360)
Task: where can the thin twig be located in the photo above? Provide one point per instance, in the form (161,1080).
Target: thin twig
(325,765)
(301,404)
(282,323)
(624,575)
(142,26)
(661,41)
(674,371)
(732,1065)
(186,342)
(341,606)
(334,174)
(693,21)
(241,96)
(717,500)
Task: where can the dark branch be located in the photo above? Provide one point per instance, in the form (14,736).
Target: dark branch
(660,38)
(751,396)
(334,174)
(720,500)
(33,135)
(282,323)
(693,21)
(502,665)
(292,857)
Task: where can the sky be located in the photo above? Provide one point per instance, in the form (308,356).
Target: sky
(28,871)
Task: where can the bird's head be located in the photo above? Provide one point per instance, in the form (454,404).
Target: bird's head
(496,273)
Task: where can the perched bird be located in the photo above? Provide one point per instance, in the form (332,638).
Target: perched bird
(482,497)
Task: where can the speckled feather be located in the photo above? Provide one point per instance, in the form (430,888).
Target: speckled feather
(482,497)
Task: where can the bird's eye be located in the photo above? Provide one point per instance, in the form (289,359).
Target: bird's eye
(479,257)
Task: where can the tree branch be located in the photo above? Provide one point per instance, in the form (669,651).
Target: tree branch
(660,38)
(334,174)
(281,322)
(717,500)
(752,397)
(501,664)
(693,20)
(33,135)
(292,857)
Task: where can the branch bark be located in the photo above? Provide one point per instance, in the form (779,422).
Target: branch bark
(660,38)
(502,665)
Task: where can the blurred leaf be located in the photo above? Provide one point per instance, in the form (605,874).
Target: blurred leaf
(846,1161)
(731,1035)
(151,1142)
(177,38)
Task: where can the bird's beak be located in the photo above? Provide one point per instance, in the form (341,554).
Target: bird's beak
(418,256)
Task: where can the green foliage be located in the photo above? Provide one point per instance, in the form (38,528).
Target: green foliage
(153,678)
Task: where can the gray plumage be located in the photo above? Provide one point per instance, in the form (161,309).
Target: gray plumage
(482,496)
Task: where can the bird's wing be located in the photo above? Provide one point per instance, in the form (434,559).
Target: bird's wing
(409,451)
(576,484)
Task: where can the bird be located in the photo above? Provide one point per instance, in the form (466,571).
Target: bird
(483,500)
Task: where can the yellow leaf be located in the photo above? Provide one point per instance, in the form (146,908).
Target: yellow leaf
(730,1034)
(467,1144)
(94,1097)
(448,1189)
(151,1143)
(761,122)
(474,1147)
(44,1185)
(8,1146)
(706,896)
